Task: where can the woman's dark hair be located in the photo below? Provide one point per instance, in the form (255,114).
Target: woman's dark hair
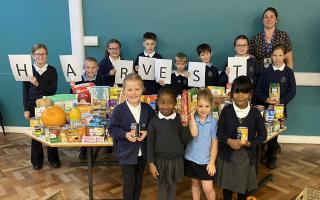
(242,84)
(167,90)
(280,46)
(271,9)
(241,37)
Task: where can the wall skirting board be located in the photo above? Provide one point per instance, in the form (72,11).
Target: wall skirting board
(297,139)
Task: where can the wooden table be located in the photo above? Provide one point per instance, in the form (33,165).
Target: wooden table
(89,149)
(268,177)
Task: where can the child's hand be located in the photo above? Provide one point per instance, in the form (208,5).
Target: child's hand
(27,115)
(191,114)
(153,170)
(34,81)
(186,74)
(234,143)
(227,71)
(211,168)
(130,136)
(136,67)
(143,134)
(112,72)
(72,84)
(272,101)
(161,82)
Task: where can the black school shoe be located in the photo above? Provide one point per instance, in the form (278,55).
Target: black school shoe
(37,167)
(272,162)
(55,164)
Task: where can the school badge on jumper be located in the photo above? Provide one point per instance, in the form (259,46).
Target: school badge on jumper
(179,81)
(251,68)
(283,79)
(210,73)
(185,81)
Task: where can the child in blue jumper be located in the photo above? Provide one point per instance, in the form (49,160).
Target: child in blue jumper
(130,149)
(279,73)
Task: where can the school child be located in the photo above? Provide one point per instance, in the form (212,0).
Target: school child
(43,83)
(106,65)
(149,44)
(179,79)
(236,161)
(212,73)
(241,46)
(279,73)
(129,144)
(166,143)
(201,152)
(89,76)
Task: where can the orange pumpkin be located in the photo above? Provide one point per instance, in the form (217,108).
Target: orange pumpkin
(53,116)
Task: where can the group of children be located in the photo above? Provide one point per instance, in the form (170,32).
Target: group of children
(202,150)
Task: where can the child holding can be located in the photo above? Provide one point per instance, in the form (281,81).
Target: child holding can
(237,157)
(130,149)
(167,138)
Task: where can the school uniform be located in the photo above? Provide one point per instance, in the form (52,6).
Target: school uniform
(212,75)
(236,168)
(150,86)
(131,155)
(198,151)
(105,65)
(166,143)
(285,77)
(179,82)
(48,79)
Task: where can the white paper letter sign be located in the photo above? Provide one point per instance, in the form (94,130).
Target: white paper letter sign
(21,67)
(163,68)
(71,68)
(238,67)
(146,68)
(197,72)
(124,68)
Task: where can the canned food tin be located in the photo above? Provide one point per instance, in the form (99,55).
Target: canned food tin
(242,134)
(99,131)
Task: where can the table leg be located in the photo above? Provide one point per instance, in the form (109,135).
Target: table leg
(90,173)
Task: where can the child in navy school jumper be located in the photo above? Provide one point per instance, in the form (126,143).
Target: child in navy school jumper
(149,44)
(212,73)
(201,152)
(236,162)
(179,79)
(89,76)
(131,150)
(241,46)
(166,142)
(278,72)
(43,83)
(106,65)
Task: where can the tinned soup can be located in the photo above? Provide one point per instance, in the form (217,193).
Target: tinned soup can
(242,134)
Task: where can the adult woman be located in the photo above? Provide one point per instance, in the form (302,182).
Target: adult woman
(43,83)
(263,42)
(106,65)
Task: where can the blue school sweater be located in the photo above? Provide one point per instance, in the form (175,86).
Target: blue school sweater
(212,76)
(150,86)
(105,66)
(287,84)
(179,83)
(127,152)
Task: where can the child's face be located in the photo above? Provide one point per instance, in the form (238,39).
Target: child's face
(166,103)
(203,108)
(205,57)
(180,64)
(269,19)
(241,47)
(40,56)
(241,99)
(133,90)
(90,68)
(114,50)
(278,57)
(149,45)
